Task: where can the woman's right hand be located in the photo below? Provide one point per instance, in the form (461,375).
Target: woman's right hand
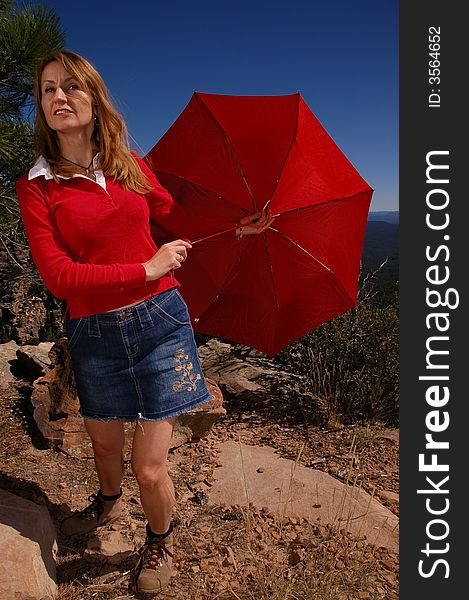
(170,256)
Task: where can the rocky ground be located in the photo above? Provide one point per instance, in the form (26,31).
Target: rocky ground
(223,552)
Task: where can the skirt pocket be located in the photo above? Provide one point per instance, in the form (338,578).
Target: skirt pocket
(171,308)
(73,328)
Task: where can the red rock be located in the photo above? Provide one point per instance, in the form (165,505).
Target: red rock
(28,549)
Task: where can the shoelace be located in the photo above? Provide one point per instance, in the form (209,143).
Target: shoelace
(153,553)
(95,509)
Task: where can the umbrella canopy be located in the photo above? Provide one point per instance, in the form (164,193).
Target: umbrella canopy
(230,156)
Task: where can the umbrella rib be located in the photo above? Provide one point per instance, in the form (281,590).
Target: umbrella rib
(235,154)
(289,239)
(293,140)
(277,311)
(201,187)
(312,206)
(220,288)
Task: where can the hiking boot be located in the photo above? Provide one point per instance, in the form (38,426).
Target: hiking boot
(98,513)
(154,566)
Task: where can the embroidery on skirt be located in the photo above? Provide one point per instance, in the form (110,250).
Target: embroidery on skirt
(187,380)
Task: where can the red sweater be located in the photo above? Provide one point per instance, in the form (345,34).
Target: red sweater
(89,243)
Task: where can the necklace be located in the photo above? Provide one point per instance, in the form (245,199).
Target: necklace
(86,169)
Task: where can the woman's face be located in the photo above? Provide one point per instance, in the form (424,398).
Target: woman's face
(67,107)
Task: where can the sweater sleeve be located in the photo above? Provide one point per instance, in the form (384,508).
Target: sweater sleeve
(169,220)
(61,275)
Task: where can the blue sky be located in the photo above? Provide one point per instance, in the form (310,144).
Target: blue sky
(342,56)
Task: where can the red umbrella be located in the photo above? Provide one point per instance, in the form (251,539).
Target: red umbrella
(227,157)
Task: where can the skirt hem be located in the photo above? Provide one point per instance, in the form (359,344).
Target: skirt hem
(134,419)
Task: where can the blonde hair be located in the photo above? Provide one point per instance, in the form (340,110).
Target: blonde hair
(110,133)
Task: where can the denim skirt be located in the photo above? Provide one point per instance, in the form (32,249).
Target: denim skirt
(138,362)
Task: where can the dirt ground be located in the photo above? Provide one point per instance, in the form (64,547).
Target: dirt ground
(222,552)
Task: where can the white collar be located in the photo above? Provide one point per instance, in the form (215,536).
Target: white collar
(42,168)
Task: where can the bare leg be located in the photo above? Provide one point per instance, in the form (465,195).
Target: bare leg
(149,455)
(108,442)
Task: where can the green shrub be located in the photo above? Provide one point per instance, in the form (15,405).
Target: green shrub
(351,363)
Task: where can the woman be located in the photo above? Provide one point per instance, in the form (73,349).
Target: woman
(87,205)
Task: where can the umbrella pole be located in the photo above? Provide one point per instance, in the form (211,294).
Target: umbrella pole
(208,237)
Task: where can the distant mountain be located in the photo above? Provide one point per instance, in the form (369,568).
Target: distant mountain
(381,245)
(388,216)
(381,241)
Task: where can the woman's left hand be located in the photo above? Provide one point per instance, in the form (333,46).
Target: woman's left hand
(254,224)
